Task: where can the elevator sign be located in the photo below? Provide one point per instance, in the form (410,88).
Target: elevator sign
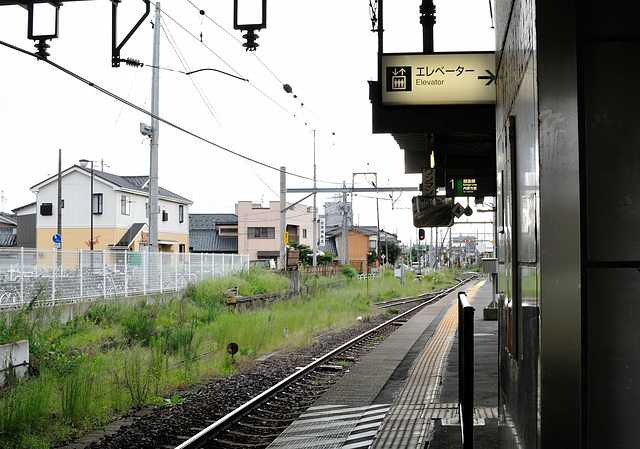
(438,79)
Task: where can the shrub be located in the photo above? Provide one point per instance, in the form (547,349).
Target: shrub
(348,271)
(139,323)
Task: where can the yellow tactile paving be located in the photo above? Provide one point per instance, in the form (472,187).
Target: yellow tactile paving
(418,397)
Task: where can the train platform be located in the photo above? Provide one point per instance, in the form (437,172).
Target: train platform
(404,393)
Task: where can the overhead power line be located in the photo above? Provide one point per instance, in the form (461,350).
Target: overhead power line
(140,109)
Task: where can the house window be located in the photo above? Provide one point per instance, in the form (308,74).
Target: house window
(125,204)
(165,215)
(181,247)
(97,203)
(46,209)
(228,230)
(304,233)
(261,233)
(181,215)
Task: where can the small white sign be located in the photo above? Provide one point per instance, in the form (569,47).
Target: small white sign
(322,232)
(428,182)
(438,79)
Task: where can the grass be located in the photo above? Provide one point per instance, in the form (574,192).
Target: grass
(116,358)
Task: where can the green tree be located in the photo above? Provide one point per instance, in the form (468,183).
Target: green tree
(325,259)
(392,250)
(372,256)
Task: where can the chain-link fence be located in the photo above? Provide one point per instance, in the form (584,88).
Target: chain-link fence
(58,277)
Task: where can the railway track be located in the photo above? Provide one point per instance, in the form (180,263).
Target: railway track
(259,421)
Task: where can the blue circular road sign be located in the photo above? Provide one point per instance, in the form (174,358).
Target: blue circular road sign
(57,238)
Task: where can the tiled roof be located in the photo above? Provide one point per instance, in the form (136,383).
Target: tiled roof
(135,183)
(7,237)
(208,241)
(330,246)
(6,220)
(209,221)
(138,183)
(364,230)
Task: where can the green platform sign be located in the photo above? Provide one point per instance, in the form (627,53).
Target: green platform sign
(473,186)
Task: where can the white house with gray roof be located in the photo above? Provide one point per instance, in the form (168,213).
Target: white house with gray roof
(119,208)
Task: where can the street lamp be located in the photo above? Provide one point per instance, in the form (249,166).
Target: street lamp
(83,163)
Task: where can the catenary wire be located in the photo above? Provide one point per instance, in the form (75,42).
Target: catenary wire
(185,65)
(303,121)
(138,108)
(253,53)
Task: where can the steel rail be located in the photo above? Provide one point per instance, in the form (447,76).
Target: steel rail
(223,423)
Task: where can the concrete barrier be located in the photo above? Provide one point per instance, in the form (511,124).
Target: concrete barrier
(14,360)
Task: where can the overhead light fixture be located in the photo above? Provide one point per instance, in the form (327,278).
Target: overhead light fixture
(43,24)
(249,16)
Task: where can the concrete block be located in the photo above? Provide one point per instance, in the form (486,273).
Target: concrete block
(13,354)
(490,314)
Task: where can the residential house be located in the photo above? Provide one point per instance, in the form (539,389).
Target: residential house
(359,238)
(119,206)
(384,238)
(8,231)
(213,233)
(26,231)
(259,228)
(362,240)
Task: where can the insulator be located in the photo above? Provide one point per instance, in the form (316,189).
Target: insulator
(251,43)
(42,49)
(133,62)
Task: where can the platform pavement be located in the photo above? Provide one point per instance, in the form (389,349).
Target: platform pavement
(485,382)
(393,397)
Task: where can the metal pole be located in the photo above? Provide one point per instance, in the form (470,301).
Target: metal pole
(60,203)
(428,20)
(91,213)
(53,279)
(21,275)
(126,273)
(104,273)
(345,227)
(153,170)
(283,214)
(378,230)
(315,221)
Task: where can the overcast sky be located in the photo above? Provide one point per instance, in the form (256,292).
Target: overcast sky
(324,50)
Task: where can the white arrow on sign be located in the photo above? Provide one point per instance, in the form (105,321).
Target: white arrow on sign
(440,78)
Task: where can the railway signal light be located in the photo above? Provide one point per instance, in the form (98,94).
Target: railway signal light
(421,234)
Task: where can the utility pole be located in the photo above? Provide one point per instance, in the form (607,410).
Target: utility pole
(59,229)
(155,132)
(283,215)
(345,226)
(378,229)
(315,220)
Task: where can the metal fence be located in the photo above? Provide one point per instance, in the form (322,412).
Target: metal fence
(59,277)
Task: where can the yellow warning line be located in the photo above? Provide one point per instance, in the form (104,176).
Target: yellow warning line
(423,385)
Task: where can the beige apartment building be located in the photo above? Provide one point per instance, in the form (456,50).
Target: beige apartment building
(259,228)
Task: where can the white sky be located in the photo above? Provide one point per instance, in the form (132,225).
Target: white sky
(324,50)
